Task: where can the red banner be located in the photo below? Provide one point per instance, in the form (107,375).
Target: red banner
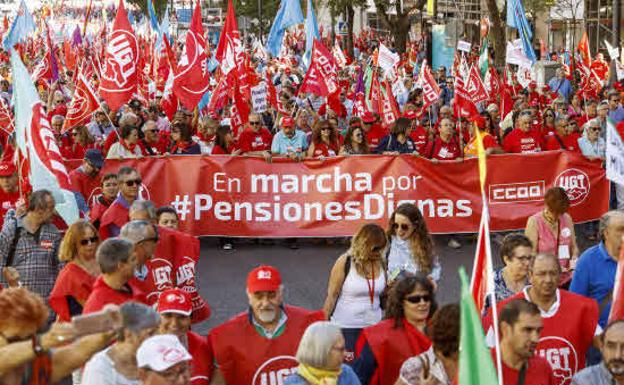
(248,197)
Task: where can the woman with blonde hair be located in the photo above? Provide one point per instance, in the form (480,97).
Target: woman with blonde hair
(76,279)
(320,356)
(411,245)
(356,282)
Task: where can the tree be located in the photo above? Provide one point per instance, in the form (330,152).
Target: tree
(398,23)
(159,6)
(345,8)
(497,33)
(249,9)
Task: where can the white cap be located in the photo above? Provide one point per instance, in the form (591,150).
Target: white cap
(161,352)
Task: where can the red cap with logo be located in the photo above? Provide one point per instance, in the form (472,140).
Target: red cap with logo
(287,121)
(263,278)
(7,169)
(175,301)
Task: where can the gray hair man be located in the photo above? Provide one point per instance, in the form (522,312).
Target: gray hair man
(143,236)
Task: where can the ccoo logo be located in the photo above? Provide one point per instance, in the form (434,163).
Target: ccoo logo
(275,370)
(576,184)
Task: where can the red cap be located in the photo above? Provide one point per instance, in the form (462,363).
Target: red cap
(479,121)
(546,87)
(532,85)
(368,117)
(410,114)
(287,121)
(175,301)
(263,278)
(7,169)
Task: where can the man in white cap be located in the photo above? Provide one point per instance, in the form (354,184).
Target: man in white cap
(163,360)
(175,307)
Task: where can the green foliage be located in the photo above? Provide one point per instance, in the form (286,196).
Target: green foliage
(249,8)
(338,6)
(159,6)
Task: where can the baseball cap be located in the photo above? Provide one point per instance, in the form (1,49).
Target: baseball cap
(94,157)
(368,117)
(175,301)
(409,114)
(7,169)
(287,121)
(263,278)
(161,352)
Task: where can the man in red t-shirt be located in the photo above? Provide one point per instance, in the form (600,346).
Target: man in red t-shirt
(117,263)
(445,145)
(9,192)
(129,182)
(523,140)
(520,325)
(373,130)
(255,140)
(86,179)
(175,308)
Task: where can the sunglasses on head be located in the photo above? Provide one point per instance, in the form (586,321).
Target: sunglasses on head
(402,226)
(418,298)
(133,182)
(87,241)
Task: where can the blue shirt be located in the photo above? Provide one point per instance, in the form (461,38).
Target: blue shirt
(617,115)
(346,377)
(565,89)
(594,277)
(283,145)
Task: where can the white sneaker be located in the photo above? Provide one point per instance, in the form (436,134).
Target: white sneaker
(454,244)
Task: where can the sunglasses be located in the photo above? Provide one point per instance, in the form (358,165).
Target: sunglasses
(254,123)
(418,298)
(402,226)
(326,129)
(152,130)
(87,241)
(131,182)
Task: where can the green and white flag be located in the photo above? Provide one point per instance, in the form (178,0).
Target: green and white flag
(484,63)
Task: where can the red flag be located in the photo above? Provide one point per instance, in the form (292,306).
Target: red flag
(322,77)
(462,102)
(482,281)
(583,48)
(431,90)
(617,306)
(387,106)
(475,87)
(272,92)
(219,97)
(230,37)
(83,104)
(119,75)
(6,117)
(169,102)
(191,81)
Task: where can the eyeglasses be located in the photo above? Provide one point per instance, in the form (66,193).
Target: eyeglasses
(87,241)
(402,226)
(254,123)
(595,129)
(418,298)
(133,182)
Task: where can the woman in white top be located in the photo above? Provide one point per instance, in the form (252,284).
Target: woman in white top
(127,146)
(411,246)
(356,281)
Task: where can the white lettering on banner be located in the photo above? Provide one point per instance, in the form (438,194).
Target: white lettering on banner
(259,97)
(517,192)
(615,155)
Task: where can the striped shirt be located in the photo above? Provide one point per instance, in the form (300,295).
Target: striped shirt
(35,254)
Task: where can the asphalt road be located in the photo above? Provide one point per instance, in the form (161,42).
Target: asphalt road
(221,275)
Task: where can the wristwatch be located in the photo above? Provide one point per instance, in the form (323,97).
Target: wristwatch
(36,345)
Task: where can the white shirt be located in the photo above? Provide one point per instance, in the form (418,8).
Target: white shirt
(400,259)
(100,370)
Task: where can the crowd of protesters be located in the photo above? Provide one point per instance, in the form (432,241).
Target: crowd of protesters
(81,302)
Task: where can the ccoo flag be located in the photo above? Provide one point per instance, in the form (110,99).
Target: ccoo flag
(289,13)
(21,27)
(36,140)
(475,361)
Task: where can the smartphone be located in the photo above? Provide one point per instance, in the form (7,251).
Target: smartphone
(102,321)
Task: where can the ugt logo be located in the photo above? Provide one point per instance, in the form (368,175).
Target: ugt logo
(121,59)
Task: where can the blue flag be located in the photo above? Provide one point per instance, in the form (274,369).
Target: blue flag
(153,19)
(516,18)
(21,27)
(289,13)
(312,32)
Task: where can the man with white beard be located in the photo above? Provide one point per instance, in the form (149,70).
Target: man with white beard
(258,347)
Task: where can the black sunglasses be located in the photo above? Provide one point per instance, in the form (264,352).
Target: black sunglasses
(87,241)
(254,123)
(418,298)
(131,182)
(402,226)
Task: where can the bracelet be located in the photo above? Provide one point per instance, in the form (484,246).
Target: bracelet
(36,345)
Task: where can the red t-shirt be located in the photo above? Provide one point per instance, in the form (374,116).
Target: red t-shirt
(518,141)
(375,135)
(103,294)
(538,372)
(322,149)
(158,148)
(83,183)
(7,202)
(438,149)
(202,363)
(571,141)
(250,140)
(553,142)
(420,136)
(218,150)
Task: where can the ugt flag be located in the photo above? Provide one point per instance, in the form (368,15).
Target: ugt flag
(36,140)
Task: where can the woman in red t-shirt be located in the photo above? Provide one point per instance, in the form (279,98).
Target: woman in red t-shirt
(82,141)
(224,142)
(325,141)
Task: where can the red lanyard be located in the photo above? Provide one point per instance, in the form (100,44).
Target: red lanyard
(371,285)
